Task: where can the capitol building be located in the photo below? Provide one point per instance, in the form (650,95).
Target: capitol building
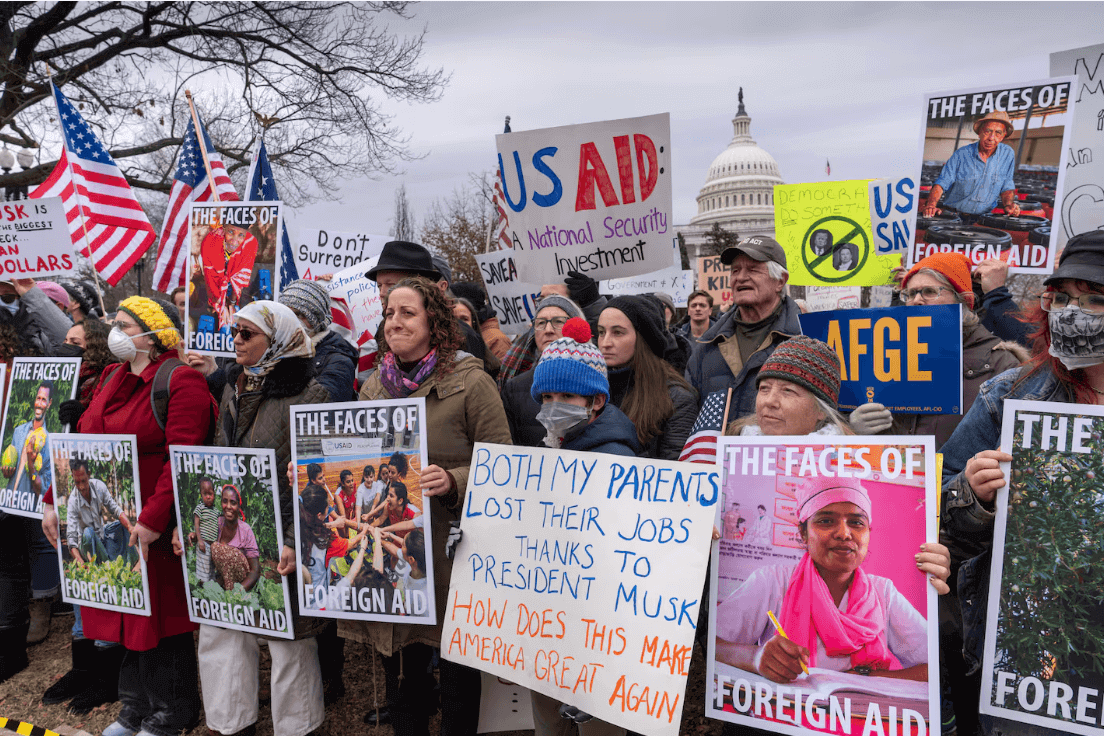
(739,190)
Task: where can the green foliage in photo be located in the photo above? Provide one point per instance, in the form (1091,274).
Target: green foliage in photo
(118,572)
(257,505)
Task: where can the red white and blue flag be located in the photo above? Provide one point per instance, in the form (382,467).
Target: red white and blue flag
(190,184)
(701,445)
(106,222)
(262,188)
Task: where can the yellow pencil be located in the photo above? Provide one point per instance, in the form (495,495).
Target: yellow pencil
(783,635)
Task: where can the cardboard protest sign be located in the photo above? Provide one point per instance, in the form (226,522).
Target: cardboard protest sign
(674,282)
(98,500)
(34,239)
(892,213)
(1032,160)
(827,234)
(579,576)
(37,388)
(503,706)
(361,514)
(593,198)
(768,564)
(231,263)
(714,277)
(351,290)
(1081,207)
(322,252)
(514,301)
(823,298)
(1041,662)
(907,358)
(228,515)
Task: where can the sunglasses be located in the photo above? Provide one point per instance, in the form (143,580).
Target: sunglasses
(245,334)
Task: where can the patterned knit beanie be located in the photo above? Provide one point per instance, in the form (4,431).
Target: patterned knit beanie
(571,365)
(955,267)
(310,300)
(808,363)
(156,316)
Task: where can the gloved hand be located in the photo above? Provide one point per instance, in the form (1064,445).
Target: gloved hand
(454,536)
(582,289)
(571,713)
(69,412)
(871,419)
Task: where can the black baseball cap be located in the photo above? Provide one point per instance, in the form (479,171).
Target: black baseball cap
(1083,258)
(758,247)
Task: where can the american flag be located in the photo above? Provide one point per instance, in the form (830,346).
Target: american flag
(501,238)
(262,188)
(189,185)
(114,231)
(701,445)
(827,167)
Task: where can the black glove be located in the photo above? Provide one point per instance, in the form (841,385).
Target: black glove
(582,289)
(571,713)
(69,412)
(454,536)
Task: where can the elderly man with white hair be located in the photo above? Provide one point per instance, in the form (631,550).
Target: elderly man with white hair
(734,349)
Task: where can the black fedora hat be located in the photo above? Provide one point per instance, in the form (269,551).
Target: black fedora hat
(399,255)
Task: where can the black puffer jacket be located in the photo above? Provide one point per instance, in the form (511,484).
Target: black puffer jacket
(521,411)
(335,364)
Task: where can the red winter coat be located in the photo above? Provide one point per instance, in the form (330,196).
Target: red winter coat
(121,405)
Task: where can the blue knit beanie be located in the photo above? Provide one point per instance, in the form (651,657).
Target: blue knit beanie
(571,365)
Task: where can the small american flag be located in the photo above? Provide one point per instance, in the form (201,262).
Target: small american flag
(262,188)
(189,185)
(701,446)
(113,231)
(827,167)
(501,238)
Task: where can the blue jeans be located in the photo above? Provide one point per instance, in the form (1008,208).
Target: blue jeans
(110,544)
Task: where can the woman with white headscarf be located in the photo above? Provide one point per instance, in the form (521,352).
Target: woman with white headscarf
(273,372)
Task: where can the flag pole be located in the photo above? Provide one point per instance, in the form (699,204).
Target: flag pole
(202,146)
(724,417)
(77,194)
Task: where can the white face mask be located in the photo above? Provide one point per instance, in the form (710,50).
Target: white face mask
(1076,338)
(122,345)
(559,419)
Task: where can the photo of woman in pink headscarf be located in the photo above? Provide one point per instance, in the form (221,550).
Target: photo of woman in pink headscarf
(836,615)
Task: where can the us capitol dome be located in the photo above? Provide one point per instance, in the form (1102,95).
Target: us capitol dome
(739,189)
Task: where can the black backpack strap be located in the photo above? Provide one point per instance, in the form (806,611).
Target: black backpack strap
(159,395)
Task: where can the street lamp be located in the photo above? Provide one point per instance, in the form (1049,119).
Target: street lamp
(7,160)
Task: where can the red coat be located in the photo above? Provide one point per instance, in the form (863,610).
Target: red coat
(121,405)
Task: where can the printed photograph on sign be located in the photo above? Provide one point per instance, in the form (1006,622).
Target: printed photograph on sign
(819,620)
(1041,660)
(1082,202)
(992,162)
(365,541)
(36,390)
(593,198)
(228,516)
(231,262)
(34,239)
(98,501)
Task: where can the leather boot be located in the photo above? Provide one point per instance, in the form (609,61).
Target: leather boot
(79,678)
(13,651)
(105,684)
(40,620)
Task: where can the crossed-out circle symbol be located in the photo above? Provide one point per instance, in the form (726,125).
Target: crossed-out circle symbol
(851,231)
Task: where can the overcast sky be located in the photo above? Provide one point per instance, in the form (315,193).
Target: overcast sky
(836,81)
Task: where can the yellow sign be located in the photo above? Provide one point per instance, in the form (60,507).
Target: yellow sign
(826,233)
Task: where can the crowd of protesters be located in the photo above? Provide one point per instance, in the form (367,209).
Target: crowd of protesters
(590,374)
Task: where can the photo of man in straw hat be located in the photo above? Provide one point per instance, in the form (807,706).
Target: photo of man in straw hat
(978,175)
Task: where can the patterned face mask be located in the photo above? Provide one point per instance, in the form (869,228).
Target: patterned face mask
(1076,338)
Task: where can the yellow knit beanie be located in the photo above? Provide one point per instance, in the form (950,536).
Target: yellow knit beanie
(156,316)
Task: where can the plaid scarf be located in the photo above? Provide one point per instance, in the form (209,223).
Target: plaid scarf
(521,356)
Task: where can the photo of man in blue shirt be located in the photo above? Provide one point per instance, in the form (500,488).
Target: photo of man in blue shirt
(978,176)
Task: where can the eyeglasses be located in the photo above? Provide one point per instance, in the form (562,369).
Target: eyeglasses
(928,292)
(245,334)
(1052,301)
(542,322)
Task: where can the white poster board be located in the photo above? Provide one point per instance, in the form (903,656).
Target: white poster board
(826,298)
(34,239)
(514,300)
(1081,209)
(360,295)
(322,252)
(674,282)
(892,213)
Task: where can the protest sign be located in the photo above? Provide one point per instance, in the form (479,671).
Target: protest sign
(593,198)
(96,476)
(907,358)
(503,706)
(1032,160)
(514,300)
(892,213)
(823,298)
(320,252)
(227,503)
(674,282)
(231,263)
(714,277)
(1081,208)
(361,513)
(579,577)
(881,296)
(37,389)
(34,239)
(1041,661)
(351,290)
(768,564)
(826,231)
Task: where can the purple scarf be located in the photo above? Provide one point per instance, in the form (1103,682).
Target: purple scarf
(399,384)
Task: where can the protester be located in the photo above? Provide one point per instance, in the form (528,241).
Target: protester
(86,340)
(944,278)
(484,318)
(735,348)
(335,359)
(273,372)
(972,182)
(1067,366)
(553,311)
(998,312)
(666,305)
(156,679)
(84,301)
(58,295)
(464,311)
(659,402)
(699,316)
(419,349)
(37,318)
